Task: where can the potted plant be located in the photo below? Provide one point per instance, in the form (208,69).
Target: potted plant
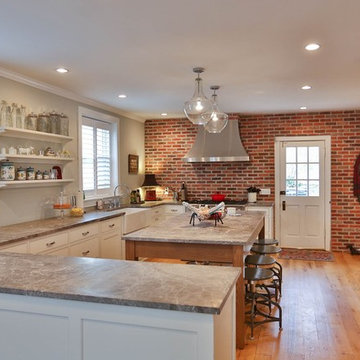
(252,193)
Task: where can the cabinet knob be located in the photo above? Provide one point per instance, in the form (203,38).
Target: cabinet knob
(84,253)
(85,233)
(51,243)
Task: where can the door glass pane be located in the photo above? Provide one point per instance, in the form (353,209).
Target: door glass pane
(314,154)
(302,154)
(314,188)
(302,165)
(302,188)
(290,154)
(290,171)
(291,187)
(314,171)
(302,171)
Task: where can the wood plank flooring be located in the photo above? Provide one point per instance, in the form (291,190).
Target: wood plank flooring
(321,314)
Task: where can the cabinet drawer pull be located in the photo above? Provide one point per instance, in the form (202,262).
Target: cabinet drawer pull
(173,210)
(85,233)
(84,253)
(51,243)
(111,225)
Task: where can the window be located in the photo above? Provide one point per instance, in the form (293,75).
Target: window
(98,154)
(302,171)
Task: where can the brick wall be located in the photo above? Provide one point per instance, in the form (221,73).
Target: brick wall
(168,140)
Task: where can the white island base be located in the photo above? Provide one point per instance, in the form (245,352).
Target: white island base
(52,329)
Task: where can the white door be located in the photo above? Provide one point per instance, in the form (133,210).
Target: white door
(302,194)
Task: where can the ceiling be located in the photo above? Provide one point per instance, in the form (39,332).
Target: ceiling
(253,49)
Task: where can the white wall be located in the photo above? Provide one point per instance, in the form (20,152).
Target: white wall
(19,205)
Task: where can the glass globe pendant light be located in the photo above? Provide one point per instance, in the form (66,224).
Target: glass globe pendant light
(215,120)
(199,103)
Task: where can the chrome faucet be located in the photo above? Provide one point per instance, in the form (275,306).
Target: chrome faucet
(116,187)
(117,198)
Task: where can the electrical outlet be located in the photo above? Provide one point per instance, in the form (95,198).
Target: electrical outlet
(265,192)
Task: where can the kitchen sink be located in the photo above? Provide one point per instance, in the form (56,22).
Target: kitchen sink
(134,219)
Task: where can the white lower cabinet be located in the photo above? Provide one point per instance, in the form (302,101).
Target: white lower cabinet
(56,329)
(88,248)
(46,243)
(269,219)
(18,248)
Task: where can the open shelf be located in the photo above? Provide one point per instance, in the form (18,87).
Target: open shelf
(33,183)
(34,135)
(36,159)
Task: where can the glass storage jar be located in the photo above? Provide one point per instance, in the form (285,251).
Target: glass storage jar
(31,122)
(7,171)
(43,123)
(20,174)
(46,175)
(54,120)
(30,173)
(3,113)
(38,175)
(9,122)
(14,108)
(64,125)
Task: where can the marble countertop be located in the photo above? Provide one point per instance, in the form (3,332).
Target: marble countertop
(236,230)
(190,288)
(33,229)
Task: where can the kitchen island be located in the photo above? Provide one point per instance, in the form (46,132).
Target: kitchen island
(176,238)
(58,308)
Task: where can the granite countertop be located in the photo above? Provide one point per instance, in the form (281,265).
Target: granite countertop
(150,204)
(261,204)
(32,229)
(190,288)
(236,230)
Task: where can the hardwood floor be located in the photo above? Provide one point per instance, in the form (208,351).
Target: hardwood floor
(321,313)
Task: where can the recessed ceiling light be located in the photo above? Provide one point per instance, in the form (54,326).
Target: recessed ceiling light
(163,114)
(312,47)
(303,107)
(62,70)
(122,96)
(306,87)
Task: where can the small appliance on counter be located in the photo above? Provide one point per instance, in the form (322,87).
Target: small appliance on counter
(150,195)
(150,182)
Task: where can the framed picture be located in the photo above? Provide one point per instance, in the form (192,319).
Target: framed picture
(133,164)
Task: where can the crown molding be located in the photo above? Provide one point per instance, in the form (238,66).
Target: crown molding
(64,93)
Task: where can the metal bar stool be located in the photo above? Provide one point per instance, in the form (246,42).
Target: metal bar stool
(266,242)
(252,276)
(270,250)
(264,260)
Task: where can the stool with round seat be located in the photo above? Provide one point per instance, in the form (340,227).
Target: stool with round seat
(266,242)
(270,250)
(264,260)
(252,276)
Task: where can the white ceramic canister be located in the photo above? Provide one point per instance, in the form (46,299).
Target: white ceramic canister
(7,171)
(252,197)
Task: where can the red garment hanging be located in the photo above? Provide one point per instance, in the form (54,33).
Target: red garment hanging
(357,178)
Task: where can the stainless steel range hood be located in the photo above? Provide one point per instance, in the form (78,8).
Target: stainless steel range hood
(226,146)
